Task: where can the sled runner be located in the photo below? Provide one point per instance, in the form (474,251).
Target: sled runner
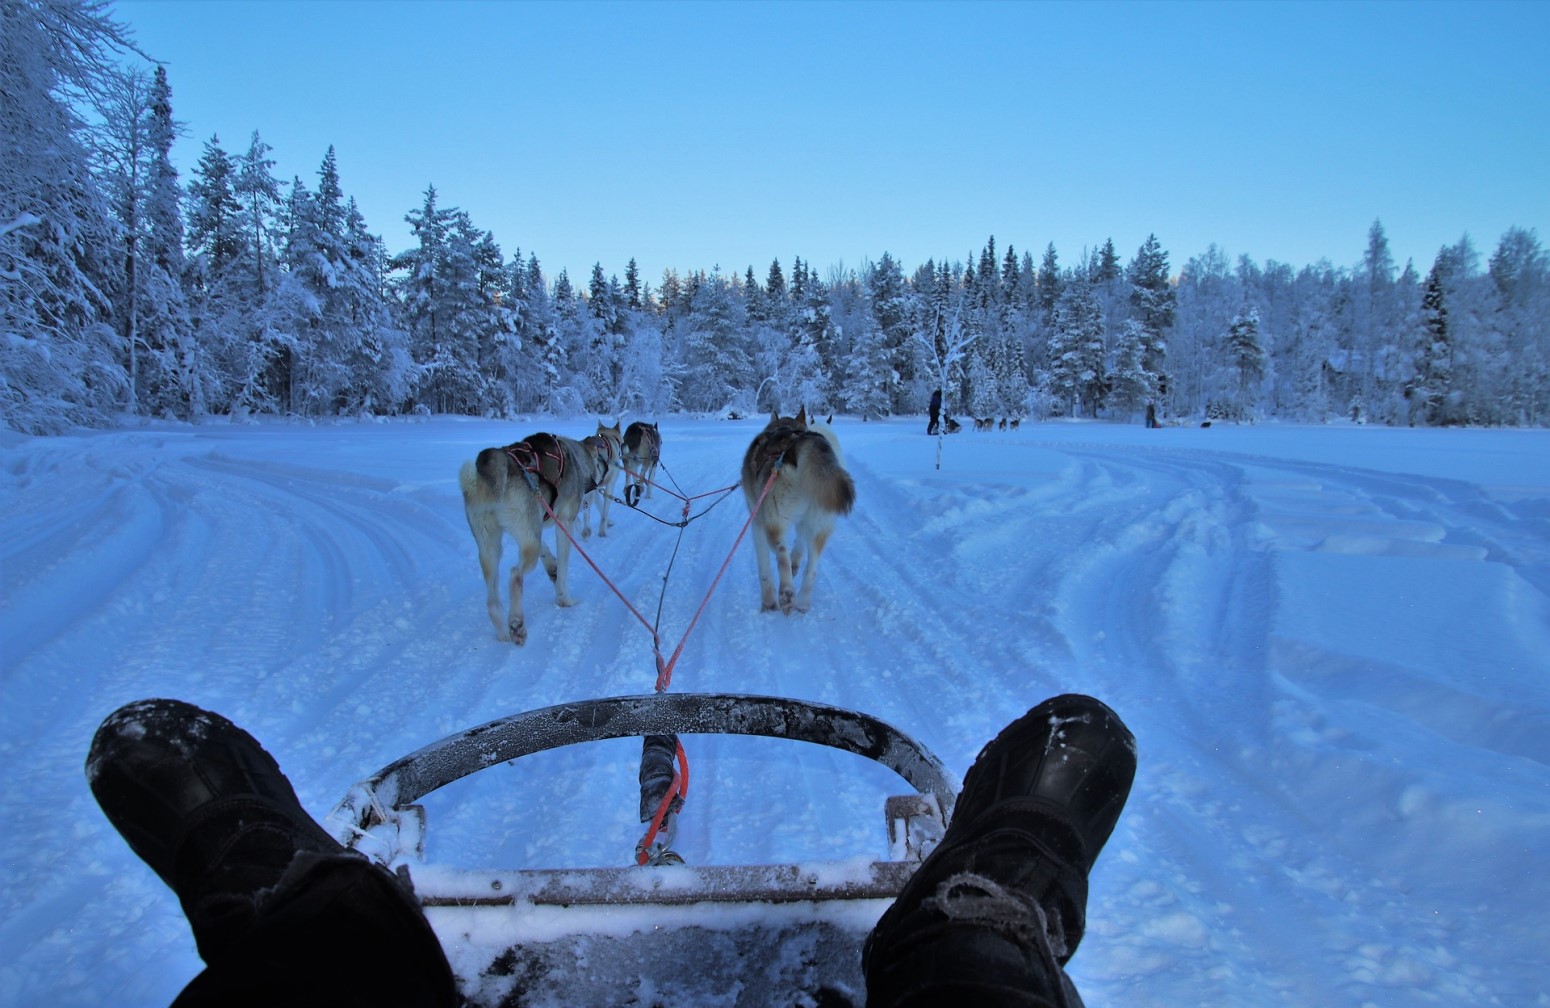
(662,934)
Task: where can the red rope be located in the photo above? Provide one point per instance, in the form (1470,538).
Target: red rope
(656,641)
(665,672)
(678,790)
(670,491)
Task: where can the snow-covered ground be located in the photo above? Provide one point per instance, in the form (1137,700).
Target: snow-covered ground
(1333,645)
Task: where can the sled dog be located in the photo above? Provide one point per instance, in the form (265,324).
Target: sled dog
(505,490)
(825,427)
(606,447)
(642,452)
(808,489)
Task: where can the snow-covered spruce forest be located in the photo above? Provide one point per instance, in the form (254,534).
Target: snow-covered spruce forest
(129,286)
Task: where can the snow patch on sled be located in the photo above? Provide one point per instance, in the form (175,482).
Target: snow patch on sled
(747,956)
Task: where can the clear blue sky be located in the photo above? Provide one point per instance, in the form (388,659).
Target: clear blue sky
(691,135)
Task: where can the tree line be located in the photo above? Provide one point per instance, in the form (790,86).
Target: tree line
(128,290)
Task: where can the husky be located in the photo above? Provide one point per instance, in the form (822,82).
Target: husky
(808,489)
(505,490)
(642,452)
(825,427)
(607,449)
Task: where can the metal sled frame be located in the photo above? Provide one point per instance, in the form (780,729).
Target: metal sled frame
(380,818)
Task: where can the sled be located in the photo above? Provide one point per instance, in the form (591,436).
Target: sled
(658,934)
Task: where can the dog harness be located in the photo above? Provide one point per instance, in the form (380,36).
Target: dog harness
(650,443)
(542,457)
(603,461)
(776,443)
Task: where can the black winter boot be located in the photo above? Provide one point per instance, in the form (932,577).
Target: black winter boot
(202,803)
(999,907)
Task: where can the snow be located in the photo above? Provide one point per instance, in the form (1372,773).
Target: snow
(1332,644)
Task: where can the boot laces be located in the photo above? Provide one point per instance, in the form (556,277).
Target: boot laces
(975,899)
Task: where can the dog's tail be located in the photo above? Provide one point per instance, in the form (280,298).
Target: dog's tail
(821,476)
(485,477)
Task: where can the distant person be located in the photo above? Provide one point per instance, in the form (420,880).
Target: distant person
(282,914)
(936,411)
(1151,415)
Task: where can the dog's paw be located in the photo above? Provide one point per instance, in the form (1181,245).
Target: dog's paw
(518,632)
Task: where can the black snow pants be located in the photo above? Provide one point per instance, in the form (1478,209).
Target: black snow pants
(337,931)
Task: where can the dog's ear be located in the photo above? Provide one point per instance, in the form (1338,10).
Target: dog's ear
(802,415)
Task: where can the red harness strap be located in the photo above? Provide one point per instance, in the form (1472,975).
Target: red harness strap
(530,458)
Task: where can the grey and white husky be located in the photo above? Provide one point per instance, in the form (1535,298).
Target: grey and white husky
(642,452)
(808,489)
(607,448)
(506,490)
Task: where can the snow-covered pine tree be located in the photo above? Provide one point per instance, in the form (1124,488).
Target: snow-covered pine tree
(602,302)
(214,229)
(775,287)
(818,345)
(867,373)
(1519,272)
(121,154)
(633,295)
(379,370)
(1480,367)
(1153,302)
(716,357)
(1206,298)
(1432,385)
(61,362)
(545,360)
(1371,311)
(1307,344)
(1049,284)
(1132,387)
(257,191)
(344,354)
(1079,366)
(425,285)
(891,310)
(174,382)
(929,294)
(1246,359)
